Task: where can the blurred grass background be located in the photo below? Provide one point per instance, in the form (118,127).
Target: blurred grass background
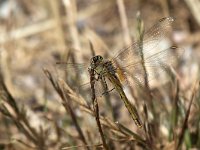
(34,35)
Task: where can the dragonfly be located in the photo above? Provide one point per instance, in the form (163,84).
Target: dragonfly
(129,63)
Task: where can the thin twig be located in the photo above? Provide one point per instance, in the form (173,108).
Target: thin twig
(25,144)
(71,17)
(147,87)
(60,32)
(194,6)
(27,31)
(165,7)
(20,120)
(185,123)
(96,108)
(124,22)
(125,129)
(174,115)
(66,103)
(140,39)
(78,146)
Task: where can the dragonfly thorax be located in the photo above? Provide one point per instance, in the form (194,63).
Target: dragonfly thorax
(98,64)
(101,66)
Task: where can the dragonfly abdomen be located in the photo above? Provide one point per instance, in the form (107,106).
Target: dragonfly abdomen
(131,108)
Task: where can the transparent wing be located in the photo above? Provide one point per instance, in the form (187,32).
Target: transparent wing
(73,66)
(153,66)
(129,61)
(76,75)
(148,57)
(151,40)
(75,70)
(102,86)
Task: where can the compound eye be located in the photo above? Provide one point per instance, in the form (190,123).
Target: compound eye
(100,58)
(94,59)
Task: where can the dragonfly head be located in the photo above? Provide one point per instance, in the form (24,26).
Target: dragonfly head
(96,60)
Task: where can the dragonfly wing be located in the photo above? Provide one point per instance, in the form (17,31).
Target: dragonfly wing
(74,71)
(72,66)
(151,40)
(155,66)
(157,34)
(77,76)
(103,87)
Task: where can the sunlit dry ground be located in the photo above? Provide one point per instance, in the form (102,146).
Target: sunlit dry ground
(36,114)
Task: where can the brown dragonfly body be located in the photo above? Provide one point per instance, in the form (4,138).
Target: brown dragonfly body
(105,69)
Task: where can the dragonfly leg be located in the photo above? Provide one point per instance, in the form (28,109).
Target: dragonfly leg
(99,76)
(105,85)
(106,92)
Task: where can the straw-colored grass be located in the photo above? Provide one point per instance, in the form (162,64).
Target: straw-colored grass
(44,105)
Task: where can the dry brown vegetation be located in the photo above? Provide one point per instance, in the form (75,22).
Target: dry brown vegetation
(40,106)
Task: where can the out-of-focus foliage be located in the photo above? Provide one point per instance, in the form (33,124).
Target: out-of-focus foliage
(43,106)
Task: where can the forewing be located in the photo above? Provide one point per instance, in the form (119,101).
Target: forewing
(102,86)
(151,40)
(74,71)
(76,75)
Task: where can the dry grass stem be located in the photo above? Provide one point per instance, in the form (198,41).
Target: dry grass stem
(97,84)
